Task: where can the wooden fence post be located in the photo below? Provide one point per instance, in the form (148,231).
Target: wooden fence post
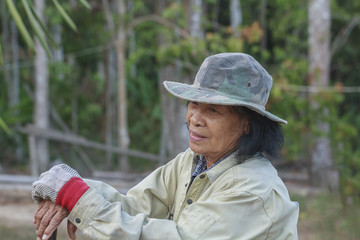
(34,164)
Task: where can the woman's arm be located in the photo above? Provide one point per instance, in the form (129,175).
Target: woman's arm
(225,216)
(102,212)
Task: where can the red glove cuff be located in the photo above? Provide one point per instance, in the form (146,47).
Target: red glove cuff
(71,192)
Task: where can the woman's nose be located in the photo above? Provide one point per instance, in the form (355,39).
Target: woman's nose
(196,119)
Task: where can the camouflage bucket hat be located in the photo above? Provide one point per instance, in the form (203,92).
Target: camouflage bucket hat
(235,79)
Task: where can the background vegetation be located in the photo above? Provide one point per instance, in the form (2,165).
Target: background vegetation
(77,81)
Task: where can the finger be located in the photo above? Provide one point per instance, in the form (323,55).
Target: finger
(43,207)
(40,205)
(45,221)
(48,209)
(55,222)
(71,229)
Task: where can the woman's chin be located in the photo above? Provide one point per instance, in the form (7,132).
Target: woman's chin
(196,148)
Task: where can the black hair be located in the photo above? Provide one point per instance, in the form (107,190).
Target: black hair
(265,136)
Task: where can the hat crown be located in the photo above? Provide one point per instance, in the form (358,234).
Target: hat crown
(236,75)
(234,79)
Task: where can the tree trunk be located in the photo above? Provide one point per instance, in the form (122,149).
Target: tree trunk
(109,95)
(14,93)
(11,78)
(123,135)
(321,168)
(15,81)
(193,9)
(58,54)
(174,137)
(41,111)
(235,16)
(174,114)
(164,150)
(110,78)
(263,24)
(174,109)
(6,40)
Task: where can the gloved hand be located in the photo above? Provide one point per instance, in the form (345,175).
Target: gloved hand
(50,182)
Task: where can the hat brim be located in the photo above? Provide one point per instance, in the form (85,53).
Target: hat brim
(191,93)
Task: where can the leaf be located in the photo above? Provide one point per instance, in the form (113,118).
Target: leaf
(40,22)
(1,55)
(35,26)
(85,4)
(19,22)
(64,15)
(5,127)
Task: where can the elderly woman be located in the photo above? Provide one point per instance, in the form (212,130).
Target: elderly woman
(222,187)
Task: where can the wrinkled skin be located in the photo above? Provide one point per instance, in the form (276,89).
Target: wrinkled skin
(214,130)
(48,217)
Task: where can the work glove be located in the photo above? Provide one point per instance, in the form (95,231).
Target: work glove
(51,181)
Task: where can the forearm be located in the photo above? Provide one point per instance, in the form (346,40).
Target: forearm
(140,199)
(100,219)
(105,190)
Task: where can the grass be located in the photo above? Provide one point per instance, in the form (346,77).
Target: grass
(324,217)
(28,232)
(12,233)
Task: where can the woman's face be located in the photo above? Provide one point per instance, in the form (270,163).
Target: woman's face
(214,129)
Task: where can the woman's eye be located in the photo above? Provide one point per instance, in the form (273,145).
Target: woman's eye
(212,110)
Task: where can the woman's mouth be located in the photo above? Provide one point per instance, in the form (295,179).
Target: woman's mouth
(194,136)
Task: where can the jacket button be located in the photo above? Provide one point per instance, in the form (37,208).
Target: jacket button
(77,220)
(189,201)
(202,176)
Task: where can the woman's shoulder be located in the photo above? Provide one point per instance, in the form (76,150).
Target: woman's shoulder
(257,176)
(259,164)
(183,160)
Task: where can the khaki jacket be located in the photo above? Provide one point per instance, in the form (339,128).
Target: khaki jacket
(229,201)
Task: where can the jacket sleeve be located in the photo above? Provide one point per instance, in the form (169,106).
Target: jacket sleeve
(105,190)
(100,219)
(103,213)
(152,196)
